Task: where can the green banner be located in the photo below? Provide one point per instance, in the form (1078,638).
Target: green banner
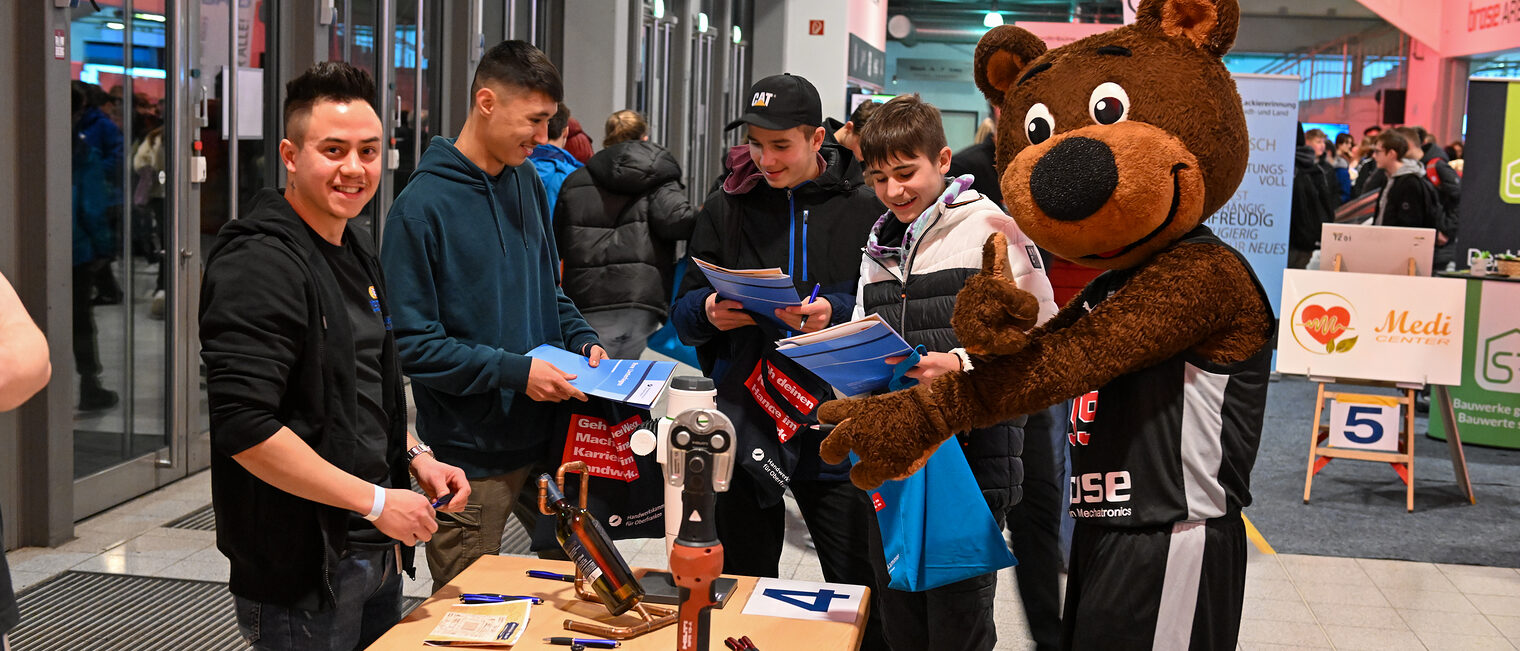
(1509,160)
(1487,403)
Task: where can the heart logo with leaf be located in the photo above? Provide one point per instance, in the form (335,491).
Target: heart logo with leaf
(1325,324)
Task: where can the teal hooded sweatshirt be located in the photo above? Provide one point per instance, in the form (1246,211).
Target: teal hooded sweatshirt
(472,271)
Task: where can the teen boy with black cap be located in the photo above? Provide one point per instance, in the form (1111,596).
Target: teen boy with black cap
(785,202)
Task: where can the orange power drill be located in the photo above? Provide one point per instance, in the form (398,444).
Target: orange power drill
(701,462)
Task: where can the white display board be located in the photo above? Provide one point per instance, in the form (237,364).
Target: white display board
(1372,327)
(1376,249)
(1255,220)
(1365,422)
(826,602)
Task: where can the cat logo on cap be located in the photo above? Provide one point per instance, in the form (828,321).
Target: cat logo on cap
(762,98)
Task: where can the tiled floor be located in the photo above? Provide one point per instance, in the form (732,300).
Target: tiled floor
(1292,601)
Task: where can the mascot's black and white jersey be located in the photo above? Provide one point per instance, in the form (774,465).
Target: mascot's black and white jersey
(1170,442)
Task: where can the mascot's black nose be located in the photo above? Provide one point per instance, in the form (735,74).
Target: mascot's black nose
(1074,179)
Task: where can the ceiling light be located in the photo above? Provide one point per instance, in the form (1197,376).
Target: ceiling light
(738,35)
(659,8)
(702,23)
(114,25)
(993,19)
(157,18)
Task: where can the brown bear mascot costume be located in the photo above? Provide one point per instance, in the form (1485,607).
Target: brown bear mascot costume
(1112,152)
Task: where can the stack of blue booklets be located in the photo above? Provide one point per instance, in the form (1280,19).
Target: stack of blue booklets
(762,291)
(635,382)
(850,356)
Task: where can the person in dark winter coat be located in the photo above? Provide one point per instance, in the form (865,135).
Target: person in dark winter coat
(1312,204)
(618,222)
(980,161)
(1448,184)
(786,203)
(95,142)
(1323,153)
(847,134)
(1408,199)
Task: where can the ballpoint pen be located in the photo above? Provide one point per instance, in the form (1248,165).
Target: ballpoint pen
(814,297)
(444,500)
(544,574)
(587,642)
(493,598)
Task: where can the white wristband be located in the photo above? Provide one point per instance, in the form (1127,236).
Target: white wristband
(374,511)
(965,357)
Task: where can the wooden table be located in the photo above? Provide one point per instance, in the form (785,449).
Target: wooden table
(507,575)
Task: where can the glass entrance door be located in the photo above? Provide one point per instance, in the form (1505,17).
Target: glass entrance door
(150,80)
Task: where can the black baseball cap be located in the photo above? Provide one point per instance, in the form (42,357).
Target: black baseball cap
(781,102)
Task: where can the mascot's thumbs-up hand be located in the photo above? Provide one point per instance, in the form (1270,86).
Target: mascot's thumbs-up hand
(894,434)
(991,312)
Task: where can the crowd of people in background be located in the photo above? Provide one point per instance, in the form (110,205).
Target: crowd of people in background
(1398,176)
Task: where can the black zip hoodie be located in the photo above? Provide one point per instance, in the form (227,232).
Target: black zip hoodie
(279,351)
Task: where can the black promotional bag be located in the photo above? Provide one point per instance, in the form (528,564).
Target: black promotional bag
(782,398)
(627,490)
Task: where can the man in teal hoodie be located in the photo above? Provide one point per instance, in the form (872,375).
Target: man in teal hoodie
(471,262)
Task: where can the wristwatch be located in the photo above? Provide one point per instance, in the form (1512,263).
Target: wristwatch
(420,448)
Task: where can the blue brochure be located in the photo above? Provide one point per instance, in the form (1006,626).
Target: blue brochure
(762,291)
(850,356)
(635,382)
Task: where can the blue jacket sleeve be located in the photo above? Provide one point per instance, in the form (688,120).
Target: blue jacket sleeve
(843,304)
(429,355)
(690,317)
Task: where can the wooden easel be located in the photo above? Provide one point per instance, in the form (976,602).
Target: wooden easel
(1402,461)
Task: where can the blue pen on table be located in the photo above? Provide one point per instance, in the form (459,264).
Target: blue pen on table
(814,297)
(589,642)
(544,574)
(443,501)
(493,598)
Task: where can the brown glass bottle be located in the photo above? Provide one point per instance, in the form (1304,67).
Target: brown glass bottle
(591,549)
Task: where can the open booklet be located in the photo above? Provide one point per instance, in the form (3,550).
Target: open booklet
(762,291)
(635,382)
(488,626)
(849,356)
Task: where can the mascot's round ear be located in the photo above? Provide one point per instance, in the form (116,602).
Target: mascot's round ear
(1001,55)
(1209,25)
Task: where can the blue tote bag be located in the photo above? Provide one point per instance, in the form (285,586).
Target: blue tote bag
(936,528)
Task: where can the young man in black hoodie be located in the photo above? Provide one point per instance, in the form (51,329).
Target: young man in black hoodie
(473,265)
(310,451)
(786,202)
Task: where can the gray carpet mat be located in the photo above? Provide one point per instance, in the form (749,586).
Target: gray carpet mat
(1357,507)
(201,519)
(109,612)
